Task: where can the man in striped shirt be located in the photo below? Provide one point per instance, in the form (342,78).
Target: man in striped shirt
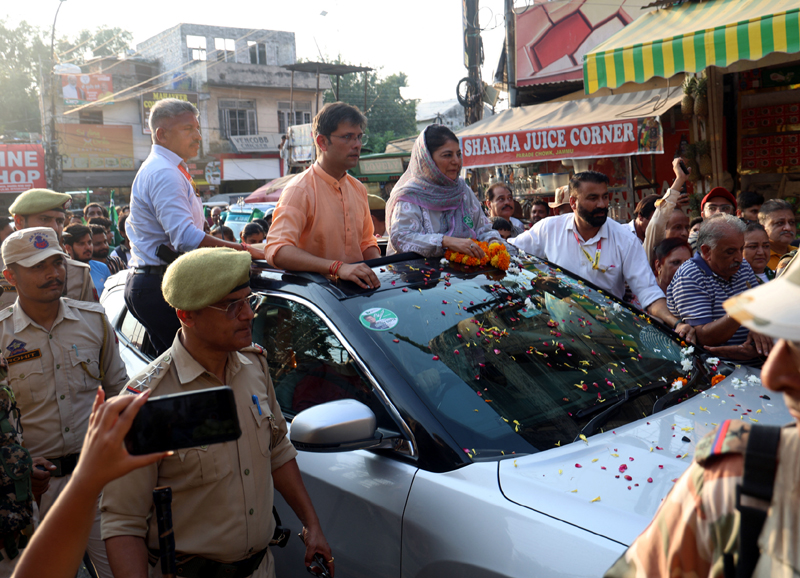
(716,273)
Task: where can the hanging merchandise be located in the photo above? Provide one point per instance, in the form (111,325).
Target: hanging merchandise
(687,102)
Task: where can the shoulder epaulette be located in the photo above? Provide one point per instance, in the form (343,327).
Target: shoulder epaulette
(150,376)
(254,348)
(730,437)
(85,305)
(7,312)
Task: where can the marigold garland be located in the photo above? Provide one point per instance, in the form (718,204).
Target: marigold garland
(716,379)
(495,254)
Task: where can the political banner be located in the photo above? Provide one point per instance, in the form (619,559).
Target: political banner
(95,147)
(596,140)
(79,89)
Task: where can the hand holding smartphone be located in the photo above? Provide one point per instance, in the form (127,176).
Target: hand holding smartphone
(184,420)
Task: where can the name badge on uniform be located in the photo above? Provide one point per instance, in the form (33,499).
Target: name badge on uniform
(26,356)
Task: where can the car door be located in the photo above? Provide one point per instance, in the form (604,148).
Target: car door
(359,496)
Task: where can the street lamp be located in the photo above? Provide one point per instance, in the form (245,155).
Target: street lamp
(53,150)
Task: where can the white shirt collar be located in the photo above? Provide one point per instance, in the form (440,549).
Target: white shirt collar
(601,234)
(168,154)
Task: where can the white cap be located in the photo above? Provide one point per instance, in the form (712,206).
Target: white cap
(30,246)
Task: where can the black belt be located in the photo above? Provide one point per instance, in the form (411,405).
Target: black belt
(199,567)
(64,465)
(150,270)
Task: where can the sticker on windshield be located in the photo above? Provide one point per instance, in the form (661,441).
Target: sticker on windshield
(378,319)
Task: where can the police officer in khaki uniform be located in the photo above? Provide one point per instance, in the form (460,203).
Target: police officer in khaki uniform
(45,208)
(223,493)
(58,351)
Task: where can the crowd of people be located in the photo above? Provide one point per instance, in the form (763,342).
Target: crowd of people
(189,287)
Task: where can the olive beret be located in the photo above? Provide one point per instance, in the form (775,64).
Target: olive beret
(35,201)
(376,203)
(204,276)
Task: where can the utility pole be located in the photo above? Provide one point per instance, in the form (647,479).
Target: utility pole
(511,53)
(52,157)
(474,50)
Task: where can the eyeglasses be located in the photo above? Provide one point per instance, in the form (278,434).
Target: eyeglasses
(362,138)
(234,308)
(728,209)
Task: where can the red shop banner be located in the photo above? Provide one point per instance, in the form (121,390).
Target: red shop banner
(605,139)
(21,168)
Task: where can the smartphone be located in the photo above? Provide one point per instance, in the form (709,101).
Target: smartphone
(184,420)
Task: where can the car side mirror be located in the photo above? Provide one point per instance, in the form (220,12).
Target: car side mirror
(338,426)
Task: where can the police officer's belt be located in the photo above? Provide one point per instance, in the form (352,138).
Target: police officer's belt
(199,567)
(64,466)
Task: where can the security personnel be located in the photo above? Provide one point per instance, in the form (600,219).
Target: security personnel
(223,493)
(700,530)
(58,351)
(45,208)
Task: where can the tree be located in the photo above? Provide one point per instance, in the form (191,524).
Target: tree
(21,52)
(25,58)
(389,115)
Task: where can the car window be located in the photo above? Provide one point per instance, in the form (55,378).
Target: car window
(133,330)
(308,363)
(518,361)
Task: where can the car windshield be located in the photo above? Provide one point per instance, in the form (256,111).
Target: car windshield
(518,361)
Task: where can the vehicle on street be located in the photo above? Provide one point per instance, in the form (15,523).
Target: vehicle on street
(466,421)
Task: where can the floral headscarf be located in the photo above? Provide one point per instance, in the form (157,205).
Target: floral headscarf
(423,184)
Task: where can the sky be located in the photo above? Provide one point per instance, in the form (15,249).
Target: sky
(422,38)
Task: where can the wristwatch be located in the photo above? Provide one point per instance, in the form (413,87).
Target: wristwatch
(678,322)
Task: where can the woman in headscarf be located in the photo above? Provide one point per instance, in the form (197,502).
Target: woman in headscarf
(431,209)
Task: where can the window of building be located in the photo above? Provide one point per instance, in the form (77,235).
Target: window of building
(196,46)
(258,52)
(90,116)
(226,49)
(237,117)
(302,114)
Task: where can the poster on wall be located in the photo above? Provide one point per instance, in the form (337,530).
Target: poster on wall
(553,37)
(149,99)
(21,168)
(96,147)
(79,89)
(596,140)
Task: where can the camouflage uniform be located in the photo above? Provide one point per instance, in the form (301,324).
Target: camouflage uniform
(698,523)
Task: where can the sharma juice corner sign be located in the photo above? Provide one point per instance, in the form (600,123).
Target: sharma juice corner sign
(606,139)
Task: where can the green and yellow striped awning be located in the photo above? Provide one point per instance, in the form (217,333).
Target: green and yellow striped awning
(692,36)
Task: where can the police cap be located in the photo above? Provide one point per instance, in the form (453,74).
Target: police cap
(205,276)
(35,201)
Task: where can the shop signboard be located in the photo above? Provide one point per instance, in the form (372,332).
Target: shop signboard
(149,99)
(380,166)
(595,140)
(553,37)
(21,168)
(260,143)
(96,147)
(79,89)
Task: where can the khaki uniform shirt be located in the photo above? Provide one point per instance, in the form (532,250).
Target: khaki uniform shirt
(698,523)
(78,285)
(222,493)
(49,372)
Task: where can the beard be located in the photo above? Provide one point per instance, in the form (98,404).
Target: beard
(596,218)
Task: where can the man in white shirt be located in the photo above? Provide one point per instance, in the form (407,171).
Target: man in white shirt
(500,202)
(599,249)
(166,211)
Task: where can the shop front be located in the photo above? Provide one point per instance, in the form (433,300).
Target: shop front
(742,86)
(535,149)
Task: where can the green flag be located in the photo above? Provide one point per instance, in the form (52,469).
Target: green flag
(114,216)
